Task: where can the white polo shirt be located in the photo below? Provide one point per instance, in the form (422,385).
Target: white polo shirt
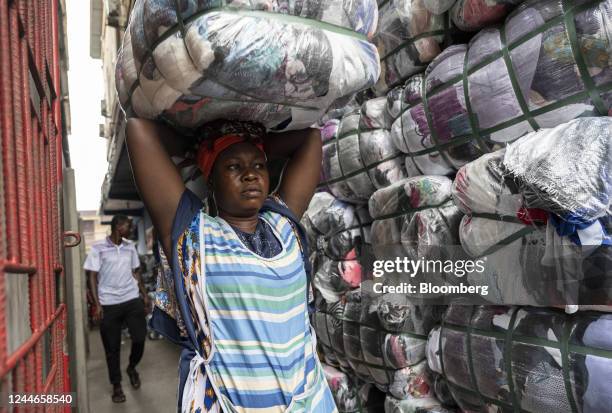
(114,265)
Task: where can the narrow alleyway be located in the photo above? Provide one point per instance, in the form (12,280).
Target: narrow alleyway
(158,372)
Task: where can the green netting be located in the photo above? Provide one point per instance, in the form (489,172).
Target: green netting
(367,166)
(509,339)
(508,240)
(342,353)
(401,70)
(480,135)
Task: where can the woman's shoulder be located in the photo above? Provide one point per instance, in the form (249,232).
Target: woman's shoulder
(278,214)
(188,213)
(273,207)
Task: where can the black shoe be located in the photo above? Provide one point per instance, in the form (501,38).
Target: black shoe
(118,396)
(134,377)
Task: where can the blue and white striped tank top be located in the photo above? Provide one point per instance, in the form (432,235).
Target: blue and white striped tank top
(261,356)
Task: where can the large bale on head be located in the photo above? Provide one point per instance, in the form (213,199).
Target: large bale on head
(281,64)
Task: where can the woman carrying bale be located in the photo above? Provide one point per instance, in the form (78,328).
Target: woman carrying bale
(240,276)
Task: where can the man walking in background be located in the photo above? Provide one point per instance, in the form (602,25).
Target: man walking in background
(116,285)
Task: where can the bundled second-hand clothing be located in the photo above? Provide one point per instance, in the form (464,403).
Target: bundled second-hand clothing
(338,233)
(472,15)
(409,36)
(566,170)
(278,63)
(548,64)
(335,113)
(415,405)
(539,211)
(360,157)
(416,219)
(528,359)
(379,339)
(350,395)
(413,215)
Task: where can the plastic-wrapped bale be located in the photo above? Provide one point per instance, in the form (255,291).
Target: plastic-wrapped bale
(327,323)
(528,359)
(420,160)
(497,226)
(527,208)
(344,390)
(442,392)
(472,15)
(438,6)
(413,215)
(415,405)
(338,112)
(566,170)
(416,218)
(339,233)
(384,341)
(352,396)
(278,63)
(361,157)
(409,36)
(547,65)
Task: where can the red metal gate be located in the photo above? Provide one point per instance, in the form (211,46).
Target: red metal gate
(33,355)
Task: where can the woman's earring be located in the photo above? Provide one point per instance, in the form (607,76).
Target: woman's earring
(212,204)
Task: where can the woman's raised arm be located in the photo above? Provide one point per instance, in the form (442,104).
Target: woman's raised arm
(302,172)
(150,146)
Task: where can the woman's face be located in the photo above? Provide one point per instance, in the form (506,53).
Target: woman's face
(240,180)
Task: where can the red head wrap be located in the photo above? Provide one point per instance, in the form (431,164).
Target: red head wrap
(210,150)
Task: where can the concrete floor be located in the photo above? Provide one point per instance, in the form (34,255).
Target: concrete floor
(158,373)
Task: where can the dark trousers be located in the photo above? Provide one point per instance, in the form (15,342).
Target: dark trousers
(114,316)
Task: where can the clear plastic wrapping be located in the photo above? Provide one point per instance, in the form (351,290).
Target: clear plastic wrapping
(511,198)
(415,405)
(481,191)
(360,157)
(336,112)
(438,6)
(566,170)
(533,72)
(409,36)
(344,390)
(379,339)
(278,63)
(415,218)
(338,233)
(442,392)
(532,359)
(472,15)
(352,395)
